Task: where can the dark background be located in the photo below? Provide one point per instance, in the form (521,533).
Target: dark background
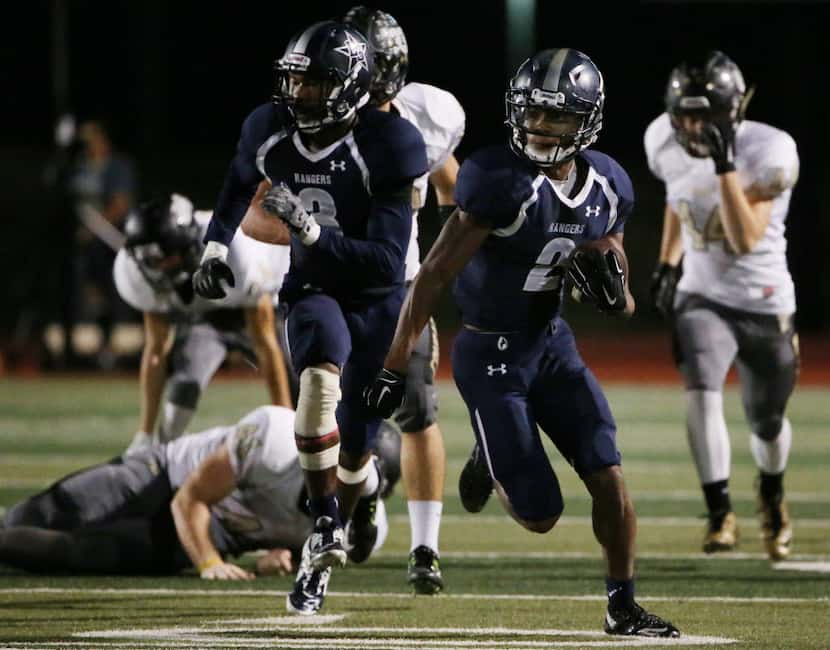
(175,80)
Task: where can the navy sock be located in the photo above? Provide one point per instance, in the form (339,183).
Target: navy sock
(620,593)
(326,506)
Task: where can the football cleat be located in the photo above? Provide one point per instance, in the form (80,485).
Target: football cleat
(475,483)
(635,621)
(776,531)
(325,544)
(309,590)
(424,571)
(721,533)
(362,530)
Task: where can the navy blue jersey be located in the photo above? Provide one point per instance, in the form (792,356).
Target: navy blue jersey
(515,280)
(356,188)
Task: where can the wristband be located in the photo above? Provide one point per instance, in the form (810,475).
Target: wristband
(209,563)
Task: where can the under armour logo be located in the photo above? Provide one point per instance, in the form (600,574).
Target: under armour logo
(341,165)
(592,211)
(492,370)
(501,344)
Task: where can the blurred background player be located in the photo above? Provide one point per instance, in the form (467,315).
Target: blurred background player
(440,119)
(95,190)
(196,501)
(343,187)
(187,338)
(524,214)
(728,186)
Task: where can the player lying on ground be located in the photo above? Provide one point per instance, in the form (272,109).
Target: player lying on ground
(195,501)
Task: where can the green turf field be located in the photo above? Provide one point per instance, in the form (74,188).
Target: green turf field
(506,588)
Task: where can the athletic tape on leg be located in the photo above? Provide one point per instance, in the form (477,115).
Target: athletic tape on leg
(315,425)
(353,478)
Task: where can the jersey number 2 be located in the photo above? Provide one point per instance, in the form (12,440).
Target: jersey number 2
(549,268)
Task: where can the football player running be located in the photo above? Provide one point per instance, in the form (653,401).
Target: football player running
(153,274)
(522,211)
(728,184)
(343,187)
(196,501)
(441,120)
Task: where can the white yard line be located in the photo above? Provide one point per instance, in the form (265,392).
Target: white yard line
(166,591)
(592,555)
(582,521)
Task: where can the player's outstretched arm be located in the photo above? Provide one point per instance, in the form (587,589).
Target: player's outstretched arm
(460,238)
(209,483)
(153,372)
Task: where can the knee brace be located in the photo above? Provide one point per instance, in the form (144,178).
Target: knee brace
(315,425)
(350,477)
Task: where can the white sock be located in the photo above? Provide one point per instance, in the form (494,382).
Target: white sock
(424,522)
(708,436)
(372,481)
(771,455)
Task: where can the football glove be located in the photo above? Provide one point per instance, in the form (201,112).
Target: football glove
(213,269)
(719,136)
(281,202)
(663,287)
(386,394)
(597,278)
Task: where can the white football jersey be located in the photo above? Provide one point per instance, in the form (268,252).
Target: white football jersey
(257,268)
(441,120)
(263,511)
(765,159)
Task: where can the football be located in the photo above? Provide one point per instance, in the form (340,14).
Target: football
(602,246)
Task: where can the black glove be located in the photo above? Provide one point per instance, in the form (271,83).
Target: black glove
(663,287)
(208,277)
(597,278)
(386,394)
(719,136)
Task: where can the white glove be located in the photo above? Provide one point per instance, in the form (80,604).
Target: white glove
(224,571)
(281,202)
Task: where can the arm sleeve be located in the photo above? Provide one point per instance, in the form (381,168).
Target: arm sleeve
(241,179)
(381,255)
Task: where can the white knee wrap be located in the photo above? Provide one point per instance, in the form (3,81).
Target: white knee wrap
(708,436)
(315,425)
(353,478)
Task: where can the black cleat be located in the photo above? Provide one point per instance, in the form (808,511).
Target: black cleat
(635,621)
(362,530)
(424,572)
(475,483)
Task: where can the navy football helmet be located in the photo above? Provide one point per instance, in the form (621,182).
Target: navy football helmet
(711,88)
(334,57)
(561,86)
(391,53)
(164,239)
